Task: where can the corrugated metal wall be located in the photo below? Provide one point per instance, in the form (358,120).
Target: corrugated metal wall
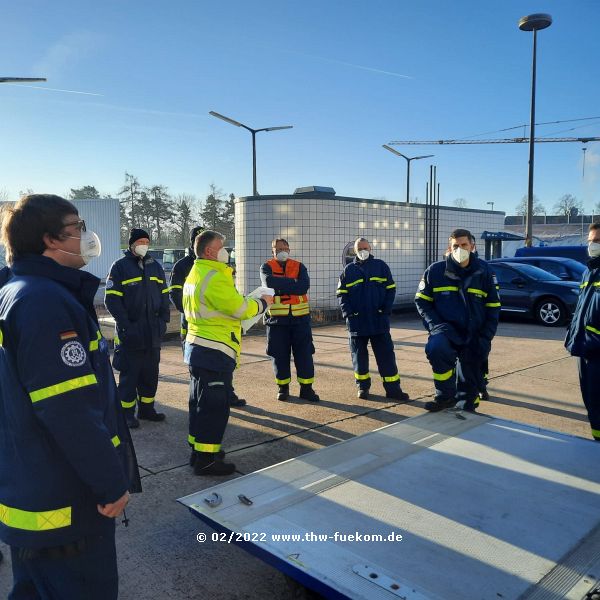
(102,216)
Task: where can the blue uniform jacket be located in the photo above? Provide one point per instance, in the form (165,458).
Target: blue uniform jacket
(181,269)
(64,444)
(138,299)
(366,292)
(583,334)
(5,275)
(282,287)
(461,303)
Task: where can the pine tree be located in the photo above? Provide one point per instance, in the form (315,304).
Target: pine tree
(87,192)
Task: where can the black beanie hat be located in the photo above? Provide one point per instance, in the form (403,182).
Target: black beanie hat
(197,230)
(137,234)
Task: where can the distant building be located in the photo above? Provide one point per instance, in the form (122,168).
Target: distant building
(321,228)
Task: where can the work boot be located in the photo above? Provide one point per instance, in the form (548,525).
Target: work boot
(194,455)
(398,395)
(284,392)
(147,412)
(484,395)
(433,406)
(362,394)
(236,401)
(307,392)
(208,463)
(132,422)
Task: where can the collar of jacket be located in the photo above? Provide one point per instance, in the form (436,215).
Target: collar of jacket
(357,260)
(455,271)
(216,265)
(81,284)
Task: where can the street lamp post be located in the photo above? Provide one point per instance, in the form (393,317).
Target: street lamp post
(408,161)
(21,79)
(253,132)
(533,23)
(491,204)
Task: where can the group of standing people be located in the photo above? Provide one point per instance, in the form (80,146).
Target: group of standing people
(67,462)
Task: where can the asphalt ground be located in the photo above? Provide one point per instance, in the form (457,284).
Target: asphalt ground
(532,380)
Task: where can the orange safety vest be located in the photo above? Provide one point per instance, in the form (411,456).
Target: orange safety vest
(283,305)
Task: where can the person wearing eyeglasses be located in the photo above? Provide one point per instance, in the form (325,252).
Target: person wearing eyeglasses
(137,296)
(67,464)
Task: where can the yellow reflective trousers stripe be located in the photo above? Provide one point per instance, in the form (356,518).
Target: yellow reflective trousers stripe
(592,329)
(395,377)
(443,376)
(212,448)
(283,381)
(360,377)
(306,381)
(34,520)
(493,304)
(62,388)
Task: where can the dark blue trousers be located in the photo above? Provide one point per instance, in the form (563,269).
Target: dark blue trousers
(589,382)
(210,397)
(285,339)
(138,376)
(383,349)
(457,371)
(90,574)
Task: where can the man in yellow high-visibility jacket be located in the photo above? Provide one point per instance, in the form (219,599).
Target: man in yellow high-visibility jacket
(214,311)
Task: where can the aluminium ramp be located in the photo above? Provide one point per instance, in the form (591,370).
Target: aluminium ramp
(487,508)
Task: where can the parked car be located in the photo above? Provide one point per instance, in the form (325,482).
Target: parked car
(533,292)
(567,269)
(171,256)
(578,253)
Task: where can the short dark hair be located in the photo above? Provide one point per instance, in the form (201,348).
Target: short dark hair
(274,242)
(26,222)
(594,226)
(462,233)
(204,239)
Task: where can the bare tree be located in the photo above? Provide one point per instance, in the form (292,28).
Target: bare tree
(460,203)
(538,207)
(568,205)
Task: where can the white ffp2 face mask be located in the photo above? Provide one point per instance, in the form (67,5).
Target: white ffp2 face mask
(594,249)
(460,255)
(363,254)
(282,256)
(223,256)
(141,250)
(89,246)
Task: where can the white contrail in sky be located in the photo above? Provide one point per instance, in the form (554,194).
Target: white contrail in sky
(347,64)
(39,87)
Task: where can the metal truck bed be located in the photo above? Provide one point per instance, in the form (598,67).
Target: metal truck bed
(486,509)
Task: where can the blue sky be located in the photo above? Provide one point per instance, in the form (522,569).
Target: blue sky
(348,75)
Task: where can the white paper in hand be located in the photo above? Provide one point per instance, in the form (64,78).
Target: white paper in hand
(257,293)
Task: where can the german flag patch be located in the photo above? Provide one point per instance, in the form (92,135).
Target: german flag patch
(68,335)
